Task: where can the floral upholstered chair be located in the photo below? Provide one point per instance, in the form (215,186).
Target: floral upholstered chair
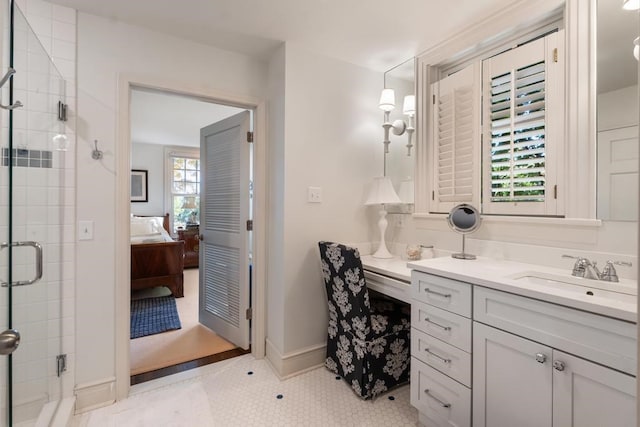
(368,341)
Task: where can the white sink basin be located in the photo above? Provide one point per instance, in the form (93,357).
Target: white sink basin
(620,292)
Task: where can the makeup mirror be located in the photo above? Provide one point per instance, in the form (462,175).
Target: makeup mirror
(464,219)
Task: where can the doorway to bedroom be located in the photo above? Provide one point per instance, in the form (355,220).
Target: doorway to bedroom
(170,332)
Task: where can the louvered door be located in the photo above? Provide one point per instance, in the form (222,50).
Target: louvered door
(224,256)
(522,118)
(456,137)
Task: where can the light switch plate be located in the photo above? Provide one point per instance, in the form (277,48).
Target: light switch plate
(314,195)
(85,230)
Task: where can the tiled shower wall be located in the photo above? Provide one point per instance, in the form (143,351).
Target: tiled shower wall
(43,202)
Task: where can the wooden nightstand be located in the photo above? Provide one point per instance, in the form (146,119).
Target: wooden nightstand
(191,238)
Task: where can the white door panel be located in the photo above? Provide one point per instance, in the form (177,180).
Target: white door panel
(224,250)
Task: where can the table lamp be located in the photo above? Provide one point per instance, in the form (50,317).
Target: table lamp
(381,193)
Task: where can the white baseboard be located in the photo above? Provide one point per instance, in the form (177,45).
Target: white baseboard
(296,363)
(95,395)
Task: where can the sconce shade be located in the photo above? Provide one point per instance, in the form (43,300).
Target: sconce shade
(382,192)
(387,100)
(409,106)
(61,142)
(406,191)
(631,4)
(636,48)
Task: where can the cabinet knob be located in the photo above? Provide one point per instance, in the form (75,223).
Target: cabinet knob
(541,358)
(558,365)
(200,236)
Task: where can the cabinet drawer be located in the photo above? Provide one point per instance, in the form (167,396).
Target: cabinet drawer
(448,327)
(441,401)
(389,286)
(447,294)
(597,338)
(445,358)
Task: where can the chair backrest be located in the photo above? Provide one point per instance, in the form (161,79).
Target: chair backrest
(347,293)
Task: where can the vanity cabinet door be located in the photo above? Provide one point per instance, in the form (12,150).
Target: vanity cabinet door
(512,380)
(589,395)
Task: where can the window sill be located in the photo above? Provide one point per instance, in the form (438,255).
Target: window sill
(530,220)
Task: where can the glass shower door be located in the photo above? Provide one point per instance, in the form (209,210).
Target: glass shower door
(33,245)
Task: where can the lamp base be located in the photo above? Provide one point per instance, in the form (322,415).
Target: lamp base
(382,251)
(463,256)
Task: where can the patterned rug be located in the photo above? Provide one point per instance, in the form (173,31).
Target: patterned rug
(153,315)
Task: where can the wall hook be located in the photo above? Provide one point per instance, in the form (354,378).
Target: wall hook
(96,154)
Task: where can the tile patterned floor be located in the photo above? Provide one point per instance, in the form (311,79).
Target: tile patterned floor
(245,392)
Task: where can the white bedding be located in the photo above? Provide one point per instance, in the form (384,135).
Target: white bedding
(148,230)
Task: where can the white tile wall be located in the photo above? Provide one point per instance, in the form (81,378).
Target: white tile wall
(44,206)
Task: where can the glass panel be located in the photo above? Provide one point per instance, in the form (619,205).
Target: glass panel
(36,213)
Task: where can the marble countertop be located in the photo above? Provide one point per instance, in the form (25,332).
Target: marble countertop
(393,267)
(617,300)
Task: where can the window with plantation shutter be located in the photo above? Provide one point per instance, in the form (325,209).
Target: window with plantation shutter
(456,139)
(522,119)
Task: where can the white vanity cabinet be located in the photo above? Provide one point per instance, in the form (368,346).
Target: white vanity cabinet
(441,350)
(519,381)
(486,357)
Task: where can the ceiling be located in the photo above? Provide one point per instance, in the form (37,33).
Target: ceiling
(170,119)
(617,28)
(375,34)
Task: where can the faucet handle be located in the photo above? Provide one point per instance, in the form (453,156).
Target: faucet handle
(580,267)
(609,272)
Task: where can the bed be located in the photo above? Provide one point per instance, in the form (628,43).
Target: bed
(156,259)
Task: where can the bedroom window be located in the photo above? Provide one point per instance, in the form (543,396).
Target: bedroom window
(185,191)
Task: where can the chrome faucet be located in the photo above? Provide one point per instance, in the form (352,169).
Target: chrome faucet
(589,270)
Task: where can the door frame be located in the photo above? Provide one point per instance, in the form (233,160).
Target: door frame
(126,82)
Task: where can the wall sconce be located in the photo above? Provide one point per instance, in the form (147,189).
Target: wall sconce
(636,48)
(387,104)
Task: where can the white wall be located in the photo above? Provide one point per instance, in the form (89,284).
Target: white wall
(105,50)
(150,157)
(332,139)
(618,108)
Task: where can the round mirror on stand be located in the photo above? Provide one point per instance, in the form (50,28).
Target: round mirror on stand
(464,219)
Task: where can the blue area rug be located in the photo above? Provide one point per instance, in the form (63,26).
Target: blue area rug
(153,315)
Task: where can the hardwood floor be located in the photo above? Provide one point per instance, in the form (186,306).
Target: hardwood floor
(193,345)
(181,367)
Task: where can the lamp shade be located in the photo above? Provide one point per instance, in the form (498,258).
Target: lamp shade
(409,105)
(382,192)
(406,191)
(387,100)
(631,4)
(189,203)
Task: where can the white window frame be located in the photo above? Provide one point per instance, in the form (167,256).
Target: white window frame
(576,190)
(169,153)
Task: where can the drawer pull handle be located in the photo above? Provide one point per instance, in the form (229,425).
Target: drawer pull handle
(437,356)
(444,405)
(444,328)
(440,294)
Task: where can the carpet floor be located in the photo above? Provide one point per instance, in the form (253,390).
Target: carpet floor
(191,342)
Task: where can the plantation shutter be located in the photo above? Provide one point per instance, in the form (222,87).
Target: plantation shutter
(456,140)
(523,115)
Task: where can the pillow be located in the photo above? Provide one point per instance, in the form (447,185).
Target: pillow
(143,226)
(158,221)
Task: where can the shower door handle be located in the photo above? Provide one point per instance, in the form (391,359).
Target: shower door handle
(9,341)
(38,247)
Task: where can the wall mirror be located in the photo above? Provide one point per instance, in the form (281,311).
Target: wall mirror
(464,219)
(617,102)
(399,162)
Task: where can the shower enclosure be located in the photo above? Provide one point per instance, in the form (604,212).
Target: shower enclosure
(36,242)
